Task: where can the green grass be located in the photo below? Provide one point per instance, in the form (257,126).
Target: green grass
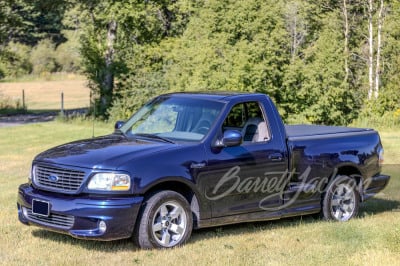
(371,239)
(391,144)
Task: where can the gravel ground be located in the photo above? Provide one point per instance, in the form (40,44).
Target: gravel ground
(15,120)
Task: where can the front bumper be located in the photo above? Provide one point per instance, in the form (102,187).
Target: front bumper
(81,216)
(374,185)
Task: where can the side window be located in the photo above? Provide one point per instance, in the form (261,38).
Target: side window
(249,119)
(236,117)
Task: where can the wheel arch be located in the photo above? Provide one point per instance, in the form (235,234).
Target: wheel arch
(179,187)
(352,171)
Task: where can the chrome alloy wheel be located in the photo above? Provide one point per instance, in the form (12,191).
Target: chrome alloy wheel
(169,224)
(343,202)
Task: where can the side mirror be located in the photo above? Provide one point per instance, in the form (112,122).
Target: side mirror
(119,124)
(231,138)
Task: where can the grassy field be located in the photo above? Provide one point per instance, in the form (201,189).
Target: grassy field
(391,144)
(371,239)
(46,95)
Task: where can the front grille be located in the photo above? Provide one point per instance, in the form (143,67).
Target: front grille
(57,220)
(59,179)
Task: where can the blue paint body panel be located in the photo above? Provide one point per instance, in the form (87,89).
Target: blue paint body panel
(196,168)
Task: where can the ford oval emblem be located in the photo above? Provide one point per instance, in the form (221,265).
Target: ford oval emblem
(53,178)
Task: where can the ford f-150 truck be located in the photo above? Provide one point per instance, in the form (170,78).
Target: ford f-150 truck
(193,160)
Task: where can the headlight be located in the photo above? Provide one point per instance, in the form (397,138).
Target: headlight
(110,182)
(32,174)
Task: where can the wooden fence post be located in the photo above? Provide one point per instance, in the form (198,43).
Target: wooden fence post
(62,104)
(23,100)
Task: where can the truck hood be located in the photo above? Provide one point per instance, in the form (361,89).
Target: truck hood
(107,152)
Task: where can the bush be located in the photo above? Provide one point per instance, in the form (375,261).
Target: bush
(43,58)
(388,120)
(14,61)
(67,54)
(135,92)
(379,114)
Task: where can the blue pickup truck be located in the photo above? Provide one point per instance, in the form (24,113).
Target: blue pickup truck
(193,160)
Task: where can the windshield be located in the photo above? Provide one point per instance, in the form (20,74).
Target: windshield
(173,118)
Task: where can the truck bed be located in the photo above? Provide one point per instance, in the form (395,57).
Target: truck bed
(294,131)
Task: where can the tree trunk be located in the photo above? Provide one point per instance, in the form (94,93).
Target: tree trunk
(294,46)
(166,17)
(371,51)
(108,82)
(378,51)
(295,27)
(346,41)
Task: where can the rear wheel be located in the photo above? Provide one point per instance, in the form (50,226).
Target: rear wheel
(341,200)
(166,221)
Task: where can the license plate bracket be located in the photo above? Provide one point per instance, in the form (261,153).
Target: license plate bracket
(40,207)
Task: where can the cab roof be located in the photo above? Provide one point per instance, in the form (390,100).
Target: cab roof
(215,95)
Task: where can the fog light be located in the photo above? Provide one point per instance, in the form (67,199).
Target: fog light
(102,226)
(25,212)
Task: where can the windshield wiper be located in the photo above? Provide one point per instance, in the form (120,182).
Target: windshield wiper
(154,136)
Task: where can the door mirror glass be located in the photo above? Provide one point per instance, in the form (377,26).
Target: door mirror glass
(231,138)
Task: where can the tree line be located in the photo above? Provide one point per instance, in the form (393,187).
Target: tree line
(321,61)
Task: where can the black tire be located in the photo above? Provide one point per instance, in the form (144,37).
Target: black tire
(165,221)
(341,200)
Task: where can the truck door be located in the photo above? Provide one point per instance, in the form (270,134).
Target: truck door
(250,177)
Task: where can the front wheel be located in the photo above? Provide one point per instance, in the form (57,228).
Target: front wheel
(341,200)
(166,221)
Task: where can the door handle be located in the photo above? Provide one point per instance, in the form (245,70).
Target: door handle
(197,165)
(276,157)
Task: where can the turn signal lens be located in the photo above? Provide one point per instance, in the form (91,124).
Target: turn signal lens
(381,157)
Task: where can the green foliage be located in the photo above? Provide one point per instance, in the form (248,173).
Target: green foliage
(390,93)
(242,52)
(388,100)
(383,112)
(67,54)
(292,50)
(2,71)
(139,84)
(151,22)
(19,60)
(43,58)
(142,89)
(335,107)
(322,96)
(33,26)
(16,60)
(34,20)
(368,119)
